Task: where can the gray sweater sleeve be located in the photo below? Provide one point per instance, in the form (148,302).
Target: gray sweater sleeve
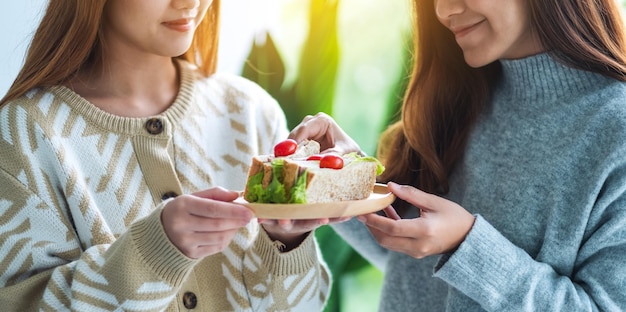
(357,235)
(502,277)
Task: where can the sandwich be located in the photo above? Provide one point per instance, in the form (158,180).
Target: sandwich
(298,173)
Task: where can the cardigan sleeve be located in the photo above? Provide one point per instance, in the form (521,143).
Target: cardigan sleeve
(45,267)
(297,280)
(56,250)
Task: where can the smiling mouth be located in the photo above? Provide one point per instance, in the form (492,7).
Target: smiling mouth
(463,31)
(180,25)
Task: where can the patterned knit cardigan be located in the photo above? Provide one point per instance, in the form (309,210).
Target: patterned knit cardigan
(81,193)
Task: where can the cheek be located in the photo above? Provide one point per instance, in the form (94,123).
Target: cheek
(489,49)
(513,39)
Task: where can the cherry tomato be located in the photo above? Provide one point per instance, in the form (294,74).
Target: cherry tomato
(331,161)
(314,157)
(285,148)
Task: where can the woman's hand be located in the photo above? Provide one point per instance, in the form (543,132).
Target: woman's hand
(323,129)
(441,227)
(204,223)
(292,232)
(332,139)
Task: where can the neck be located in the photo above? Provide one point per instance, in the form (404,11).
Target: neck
(129,87)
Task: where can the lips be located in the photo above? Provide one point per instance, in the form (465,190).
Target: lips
(180,25)
(461,31)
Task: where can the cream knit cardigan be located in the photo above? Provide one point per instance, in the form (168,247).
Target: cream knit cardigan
(81,193)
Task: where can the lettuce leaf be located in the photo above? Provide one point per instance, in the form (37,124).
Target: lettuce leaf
(276,190)
(255,188)
(356,158)
(298,190)
(274,193)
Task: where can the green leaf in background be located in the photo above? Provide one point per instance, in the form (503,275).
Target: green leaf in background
(265,66)
(314,89)
(317,74)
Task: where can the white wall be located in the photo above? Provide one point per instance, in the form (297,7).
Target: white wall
(19,19)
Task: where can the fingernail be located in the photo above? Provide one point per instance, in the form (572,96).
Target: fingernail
(361,218)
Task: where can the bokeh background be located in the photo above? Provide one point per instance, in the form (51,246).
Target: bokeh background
(348,58)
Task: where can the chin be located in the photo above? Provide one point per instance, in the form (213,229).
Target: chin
(176,48)
(477,61)
(179,53)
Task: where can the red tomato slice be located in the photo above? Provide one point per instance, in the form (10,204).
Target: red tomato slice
(314,157)
(285,148)
(331,161)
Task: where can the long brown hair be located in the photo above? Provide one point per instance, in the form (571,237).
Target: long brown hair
(445,95)
(69,39)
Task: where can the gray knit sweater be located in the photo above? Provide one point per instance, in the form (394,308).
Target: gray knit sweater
(545,175)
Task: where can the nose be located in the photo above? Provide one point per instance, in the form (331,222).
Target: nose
(447,8)
(185,4)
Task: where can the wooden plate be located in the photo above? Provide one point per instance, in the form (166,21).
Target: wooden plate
(378,200)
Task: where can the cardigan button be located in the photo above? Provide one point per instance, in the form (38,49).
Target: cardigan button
(168,195)
(190,301)
(154,126)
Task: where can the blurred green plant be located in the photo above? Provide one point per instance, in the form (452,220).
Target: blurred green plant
(312,91)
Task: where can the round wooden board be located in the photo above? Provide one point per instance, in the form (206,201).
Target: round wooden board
(378,200)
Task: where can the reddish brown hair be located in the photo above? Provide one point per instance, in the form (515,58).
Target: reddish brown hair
(69,39)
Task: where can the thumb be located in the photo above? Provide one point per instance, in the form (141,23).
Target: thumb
(218,193)
(413,196)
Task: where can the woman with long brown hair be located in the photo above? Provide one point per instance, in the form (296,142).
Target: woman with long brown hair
(508,161)
(119,149)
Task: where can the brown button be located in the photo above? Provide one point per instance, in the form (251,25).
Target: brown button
(168,195)
(190,301)
(154,126)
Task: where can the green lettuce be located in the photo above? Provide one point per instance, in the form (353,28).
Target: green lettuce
(255,191)
(356,158)
(298,190)
(275,192)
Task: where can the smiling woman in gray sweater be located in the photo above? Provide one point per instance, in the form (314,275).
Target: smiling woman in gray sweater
(510,162)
